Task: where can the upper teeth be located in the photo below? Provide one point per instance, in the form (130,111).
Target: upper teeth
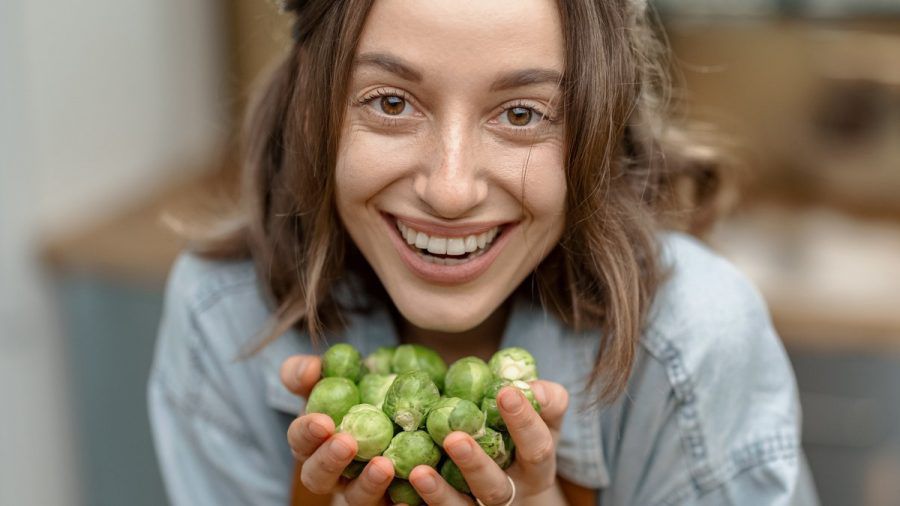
(447,245)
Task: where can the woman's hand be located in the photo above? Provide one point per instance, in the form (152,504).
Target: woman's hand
(534,470)
(322,454)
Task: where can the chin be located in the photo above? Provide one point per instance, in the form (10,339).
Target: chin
(449,316)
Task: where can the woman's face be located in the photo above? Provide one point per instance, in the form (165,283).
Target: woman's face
(449,101)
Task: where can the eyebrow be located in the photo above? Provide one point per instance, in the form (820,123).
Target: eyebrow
(514,79)
(526,77)
(389,63)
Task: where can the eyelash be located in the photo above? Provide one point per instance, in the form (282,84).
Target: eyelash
(392,121)
(379,93)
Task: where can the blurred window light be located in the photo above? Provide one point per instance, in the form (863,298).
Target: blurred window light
(762,8)
(828,8)
(738,8)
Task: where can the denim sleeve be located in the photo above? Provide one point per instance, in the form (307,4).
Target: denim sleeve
(207,451)
(711,416)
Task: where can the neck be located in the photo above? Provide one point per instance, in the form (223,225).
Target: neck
(481,341)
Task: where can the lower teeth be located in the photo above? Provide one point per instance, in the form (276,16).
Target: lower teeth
(451,261)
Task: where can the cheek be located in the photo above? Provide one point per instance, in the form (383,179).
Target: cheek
(369,162)
(542,183)
(545,192)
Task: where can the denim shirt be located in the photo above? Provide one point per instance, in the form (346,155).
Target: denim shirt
(710,415)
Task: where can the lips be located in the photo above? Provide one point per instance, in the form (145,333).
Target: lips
(431,228)
(447,274)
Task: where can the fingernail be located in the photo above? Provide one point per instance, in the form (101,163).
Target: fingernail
(511,400)
(341,450)
(460,450)
(301,368)
(317,430)
(377,474)
(426,484)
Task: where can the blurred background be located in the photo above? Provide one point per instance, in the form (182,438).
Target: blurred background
(113,111)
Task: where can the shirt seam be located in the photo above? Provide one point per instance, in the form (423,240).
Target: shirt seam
(205,297)
(201,296)
(680,381)
(776,447)
(192,407)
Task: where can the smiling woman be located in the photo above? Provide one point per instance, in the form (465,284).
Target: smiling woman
(471,176)
(448,108)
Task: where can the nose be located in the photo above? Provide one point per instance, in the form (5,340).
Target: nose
(452,184)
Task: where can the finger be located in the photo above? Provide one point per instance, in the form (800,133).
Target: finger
(307,433)
(321,471)
(485,478)
(300,372)
(535,448)
(368,488)
(434,489)
(554,400)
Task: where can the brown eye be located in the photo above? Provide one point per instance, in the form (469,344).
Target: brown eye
(392,105)
(519,116)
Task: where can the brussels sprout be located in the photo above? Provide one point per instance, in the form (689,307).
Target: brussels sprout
(467,378)
(409,398)
(489,403)
(514,364)
(373,388)
(342,361)
(333,397)
(402,491)
(496,446)
(353,469)
(414,357)
(451,473)
(379,361)
(510,446)
(451,414)
(371,429)
(410,449)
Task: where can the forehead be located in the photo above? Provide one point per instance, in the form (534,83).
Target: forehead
(460,39)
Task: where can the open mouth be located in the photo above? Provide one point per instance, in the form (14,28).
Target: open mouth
(444,250)
(449,259)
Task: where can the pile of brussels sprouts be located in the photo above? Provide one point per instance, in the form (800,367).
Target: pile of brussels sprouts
(401,402)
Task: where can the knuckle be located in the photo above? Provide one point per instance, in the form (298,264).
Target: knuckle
(478,465)
(364,490)
(369,486)
(332,464)
(334,461)
(539,455)
(523,422)
(313,485)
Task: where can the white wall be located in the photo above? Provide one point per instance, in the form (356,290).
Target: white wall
(101,101)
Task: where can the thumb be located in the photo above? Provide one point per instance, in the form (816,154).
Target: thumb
(299,373)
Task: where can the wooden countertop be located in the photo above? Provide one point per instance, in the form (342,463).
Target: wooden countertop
(137,245)
(831,281)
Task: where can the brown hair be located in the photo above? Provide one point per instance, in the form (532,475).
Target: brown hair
(630,172)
